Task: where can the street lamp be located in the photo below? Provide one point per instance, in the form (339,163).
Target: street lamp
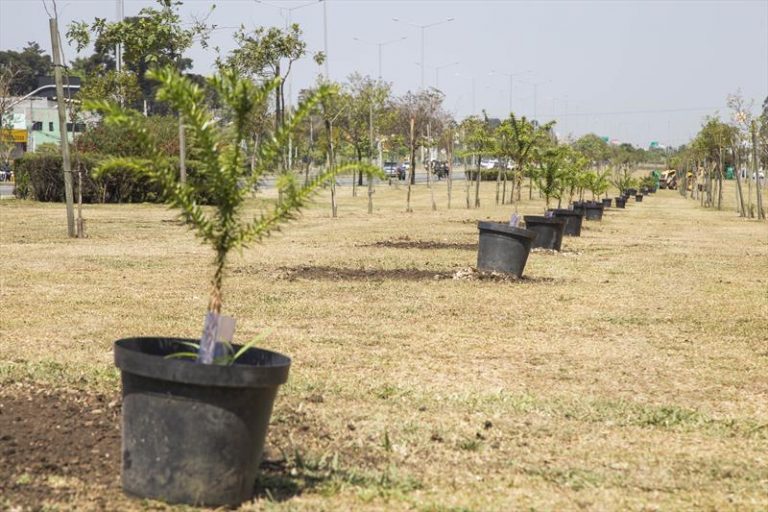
(511,77)
(535,92)
(437,72)
(380,44)
(423,28)
(473,89)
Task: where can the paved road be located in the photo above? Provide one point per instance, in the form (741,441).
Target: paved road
(6,190)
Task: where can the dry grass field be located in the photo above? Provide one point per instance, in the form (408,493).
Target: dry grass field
(628,372)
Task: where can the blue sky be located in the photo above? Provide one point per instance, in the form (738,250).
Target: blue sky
(637,71)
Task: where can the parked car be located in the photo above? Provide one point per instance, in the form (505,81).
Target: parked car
(390,169)
(489,163)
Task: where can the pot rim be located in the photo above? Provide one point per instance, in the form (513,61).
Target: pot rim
(538,219)
(259,368)
(566,212)
(500,227)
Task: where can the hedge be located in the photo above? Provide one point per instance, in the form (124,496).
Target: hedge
(40,177)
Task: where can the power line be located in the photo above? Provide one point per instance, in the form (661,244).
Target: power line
(637,112)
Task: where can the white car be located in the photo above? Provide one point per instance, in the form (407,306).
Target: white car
(489,164)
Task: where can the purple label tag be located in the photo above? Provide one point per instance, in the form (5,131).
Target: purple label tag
(514,220)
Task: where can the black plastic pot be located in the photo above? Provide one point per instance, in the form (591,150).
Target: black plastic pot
(631,191)
(607,201)
(503,248)
(578,207)
(572,221)
(194,433)
(639,198)
(593,211)
(621,201)
(549,231)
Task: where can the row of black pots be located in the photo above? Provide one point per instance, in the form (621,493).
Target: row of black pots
(505,248)
(195,433)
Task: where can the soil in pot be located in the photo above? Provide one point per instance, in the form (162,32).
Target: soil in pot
(593,211)
(549,231)
(573,221)
(621,201)
(503,248)
(639,198)
(194,433)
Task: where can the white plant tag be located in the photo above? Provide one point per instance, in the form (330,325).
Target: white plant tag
(225,334)
(208,339)
(514,220)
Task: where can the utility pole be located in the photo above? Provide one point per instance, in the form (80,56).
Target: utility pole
(66,164)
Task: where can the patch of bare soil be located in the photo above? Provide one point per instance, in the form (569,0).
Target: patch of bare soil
(359,274)
(55,443)
(63,447)
(407,243)
(552,252)
(473,274)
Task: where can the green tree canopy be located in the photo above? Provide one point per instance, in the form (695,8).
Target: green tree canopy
(24,67)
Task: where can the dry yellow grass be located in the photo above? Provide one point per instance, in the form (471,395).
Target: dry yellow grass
(629,373)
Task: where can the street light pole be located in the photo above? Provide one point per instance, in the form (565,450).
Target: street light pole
(380,44)
(423,28)
(325,38)
(511,77)
(535,93)
(471,77)
(437,72)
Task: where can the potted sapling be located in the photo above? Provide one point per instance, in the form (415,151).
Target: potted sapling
(549,178)
(195,412)
(622,179)
(598,184)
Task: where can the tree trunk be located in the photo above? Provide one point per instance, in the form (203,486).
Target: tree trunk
(530,189)
(66,164)
(449,178)
(467,181)
(412,177)
(355,173)
(739,192)
(477,184)
(504,187)
(331,165)
(756,173)
(498,186)
(182,152)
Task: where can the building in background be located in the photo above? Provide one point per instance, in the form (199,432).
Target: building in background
(33,119)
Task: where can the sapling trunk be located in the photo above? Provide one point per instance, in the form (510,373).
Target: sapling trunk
(477,184)
(214,303)
(740,195)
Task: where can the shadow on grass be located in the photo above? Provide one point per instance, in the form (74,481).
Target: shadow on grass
(322,273)
(275,482)
(423,244)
